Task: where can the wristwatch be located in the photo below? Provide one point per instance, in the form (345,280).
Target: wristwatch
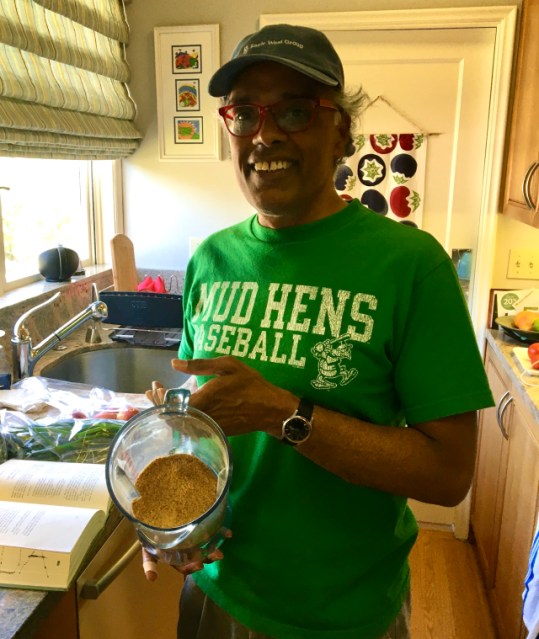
(297,428)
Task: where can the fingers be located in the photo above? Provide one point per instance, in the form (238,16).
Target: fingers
(195,566)
(157,394)
(149,562)
(190,568)
(149,565)
(216,555)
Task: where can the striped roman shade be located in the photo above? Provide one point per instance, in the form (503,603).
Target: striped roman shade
(63,80)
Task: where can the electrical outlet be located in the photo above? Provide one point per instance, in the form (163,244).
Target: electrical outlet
(194,243)
(523,264)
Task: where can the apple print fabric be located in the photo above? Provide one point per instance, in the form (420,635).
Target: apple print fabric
(387,174)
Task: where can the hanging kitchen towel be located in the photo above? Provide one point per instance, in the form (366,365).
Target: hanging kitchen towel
(531,590)
(387,174)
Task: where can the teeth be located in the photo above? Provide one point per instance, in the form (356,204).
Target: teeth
(272,166)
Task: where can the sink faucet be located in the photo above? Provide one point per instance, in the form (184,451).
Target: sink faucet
(93,336)
(25,355)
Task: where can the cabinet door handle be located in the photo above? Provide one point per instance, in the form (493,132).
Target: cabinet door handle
(526,185)
(92,588)
(502,409)
(498,407)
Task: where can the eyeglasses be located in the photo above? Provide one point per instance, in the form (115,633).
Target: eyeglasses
(290,115)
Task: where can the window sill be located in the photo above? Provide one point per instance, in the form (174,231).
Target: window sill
(30,292)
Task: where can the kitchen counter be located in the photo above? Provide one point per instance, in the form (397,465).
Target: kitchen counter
(527,385)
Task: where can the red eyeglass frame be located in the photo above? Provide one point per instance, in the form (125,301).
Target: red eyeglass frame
(320,103)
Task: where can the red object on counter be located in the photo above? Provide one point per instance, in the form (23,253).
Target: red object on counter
(146,284)
(159,285)
(149,285)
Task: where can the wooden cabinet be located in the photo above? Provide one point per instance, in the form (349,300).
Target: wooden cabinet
(490,474)
(521,197)
(505,498)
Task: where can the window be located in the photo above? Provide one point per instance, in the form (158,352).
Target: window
(44,203)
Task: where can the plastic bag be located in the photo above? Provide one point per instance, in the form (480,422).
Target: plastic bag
(75,422)
(73,400)
(68,439)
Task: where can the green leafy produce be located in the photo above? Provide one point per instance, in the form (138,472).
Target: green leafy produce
(74,440)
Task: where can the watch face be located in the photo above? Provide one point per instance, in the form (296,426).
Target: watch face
(296,429)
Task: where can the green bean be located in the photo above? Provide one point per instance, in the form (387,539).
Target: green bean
(68,439)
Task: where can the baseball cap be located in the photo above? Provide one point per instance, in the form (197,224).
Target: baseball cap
(304,49)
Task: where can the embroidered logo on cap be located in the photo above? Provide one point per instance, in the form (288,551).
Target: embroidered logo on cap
(273,43)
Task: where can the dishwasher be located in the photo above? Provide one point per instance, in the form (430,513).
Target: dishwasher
(115,600)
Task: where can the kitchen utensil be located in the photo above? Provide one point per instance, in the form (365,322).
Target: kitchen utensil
(124,270)
(171,428)
(506,323)
(58,264)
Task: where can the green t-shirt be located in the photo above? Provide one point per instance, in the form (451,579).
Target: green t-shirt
(361,315)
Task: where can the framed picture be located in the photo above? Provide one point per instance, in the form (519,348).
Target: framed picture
(187,121)
(188,131)
(187,95)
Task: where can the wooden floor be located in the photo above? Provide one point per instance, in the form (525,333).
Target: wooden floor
(448,598)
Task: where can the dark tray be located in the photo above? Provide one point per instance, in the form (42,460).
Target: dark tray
(506,324)
(143,310)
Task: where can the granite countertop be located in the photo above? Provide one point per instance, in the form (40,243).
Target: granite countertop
(526,385)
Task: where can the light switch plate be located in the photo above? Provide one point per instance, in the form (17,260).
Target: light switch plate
(523,264)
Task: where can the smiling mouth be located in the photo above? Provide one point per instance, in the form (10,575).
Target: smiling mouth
(270,167)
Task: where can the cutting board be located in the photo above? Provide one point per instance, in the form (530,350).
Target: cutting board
(124,269)
(521,355)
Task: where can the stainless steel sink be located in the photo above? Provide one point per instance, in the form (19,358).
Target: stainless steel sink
(128,370)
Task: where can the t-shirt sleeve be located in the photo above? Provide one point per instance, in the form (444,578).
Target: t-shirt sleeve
(439,370)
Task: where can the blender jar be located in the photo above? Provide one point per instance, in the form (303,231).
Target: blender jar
(169,429)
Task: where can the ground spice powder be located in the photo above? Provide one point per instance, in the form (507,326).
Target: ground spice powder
(174,490)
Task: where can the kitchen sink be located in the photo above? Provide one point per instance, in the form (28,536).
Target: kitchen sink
(129,369)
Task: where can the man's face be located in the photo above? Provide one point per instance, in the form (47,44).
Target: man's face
(287,177)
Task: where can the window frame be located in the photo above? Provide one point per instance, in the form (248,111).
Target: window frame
(104,216)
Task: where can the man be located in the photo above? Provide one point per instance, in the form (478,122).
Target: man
(334,348)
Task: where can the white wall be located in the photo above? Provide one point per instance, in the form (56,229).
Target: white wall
(168,202)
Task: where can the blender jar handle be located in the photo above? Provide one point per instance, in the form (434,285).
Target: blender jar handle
(178,398)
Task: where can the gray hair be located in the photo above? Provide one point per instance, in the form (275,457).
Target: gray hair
(352,102)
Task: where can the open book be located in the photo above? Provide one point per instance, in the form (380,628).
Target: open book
(50,512)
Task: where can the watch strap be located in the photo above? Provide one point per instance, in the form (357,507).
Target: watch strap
(305,409)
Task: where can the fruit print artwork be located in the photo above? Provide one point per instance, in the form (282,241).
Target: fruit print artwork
(386,172)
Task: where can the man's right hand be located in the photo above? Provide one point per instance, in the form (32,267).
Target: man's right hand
(193,564)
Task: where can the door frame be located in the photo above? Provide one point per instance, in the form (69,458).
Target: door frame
(503,19)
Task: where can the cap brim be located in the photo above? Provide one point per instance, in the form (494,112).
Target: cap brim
(221,82)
